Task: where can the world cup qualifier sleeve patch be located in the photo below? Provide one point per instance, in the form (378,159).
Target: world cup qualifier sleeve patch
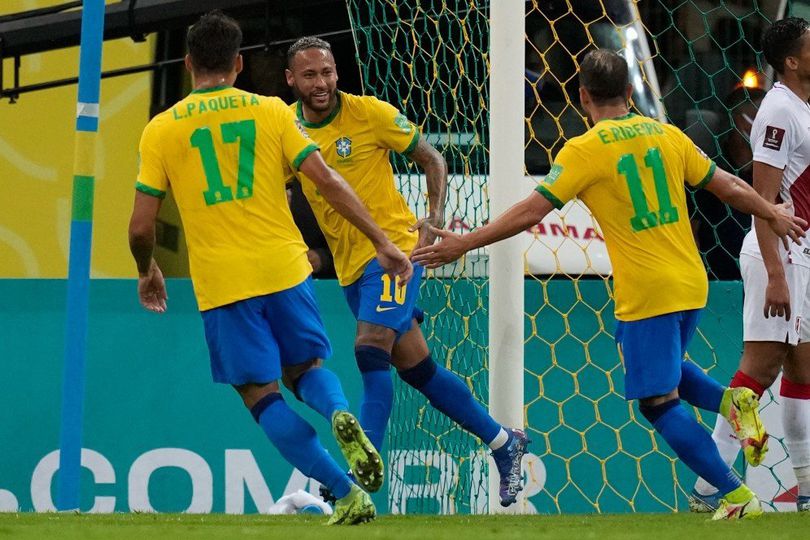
(773,138)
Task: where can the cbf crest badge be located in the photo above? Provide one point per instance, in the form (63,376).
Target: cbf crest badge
(343,146)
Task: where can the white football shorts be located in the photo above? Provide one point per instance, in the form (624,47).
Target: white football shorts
(755,326)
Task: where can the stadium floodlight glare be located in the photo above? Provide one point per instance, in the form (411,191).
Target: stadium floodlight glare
(750,79)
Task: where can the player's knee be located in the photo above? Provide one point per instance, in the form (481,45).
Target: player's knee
(260,404)
(797,365)
(419,375)
(251,393)
(655,408)
(763,362)
(290,375)
(372,335)
(741,379)
(766,373)
(370,358)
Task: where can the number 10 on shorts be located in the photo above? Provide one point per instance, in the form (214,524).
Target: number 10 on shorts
(391,293)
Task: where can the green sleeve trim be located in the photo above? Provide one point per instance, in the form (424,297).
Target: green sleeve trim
(708,177)
(413,143)
(303,154)
(543,190)
(143,188)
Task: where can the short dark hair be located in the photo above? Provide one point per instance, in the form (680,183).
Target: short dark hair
(304,43)
(604,74)
(782,39)
(213,42)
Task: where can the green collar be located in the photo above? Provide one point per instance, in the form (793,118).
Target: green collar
(299,110)
(212,89)
(623,117)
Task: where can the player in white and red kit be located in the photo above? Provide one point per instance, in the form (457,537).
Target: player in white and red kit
(776,280)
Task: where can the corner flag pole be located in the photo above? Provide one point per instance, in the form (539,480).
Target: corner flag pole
(81,230)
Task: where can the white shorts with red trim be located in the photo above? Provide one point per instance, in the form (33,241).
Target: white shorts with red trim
(755,326)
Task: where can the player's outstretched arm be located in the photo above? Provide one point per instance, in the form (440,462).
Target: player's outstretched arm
(435,167)
(151,285)
(339,194)
(735,192)
(530,211)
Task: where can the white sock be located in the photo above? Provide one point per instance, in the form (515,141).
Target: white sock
(727,444)
(499,440)
(803,477)
(796,421)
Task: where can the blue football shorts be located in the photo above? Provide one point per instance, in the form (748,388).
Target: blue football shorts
(652,351)
(249,341)
(375,298)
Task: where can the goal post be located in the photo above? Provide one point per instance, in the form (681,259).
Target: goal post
(505,185)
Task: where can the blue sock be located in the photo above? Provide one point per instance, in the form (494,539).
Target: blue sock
(298,444)
(320,389)
(448,393)
(691,443)
(699,389)
(378,392)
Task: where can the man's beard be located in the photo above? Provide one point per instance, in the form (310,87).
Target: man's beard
(312,105)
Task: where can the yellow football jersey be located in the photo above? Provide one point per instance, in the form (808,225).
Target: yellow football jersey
(630,172)
(225,154)
(356,140)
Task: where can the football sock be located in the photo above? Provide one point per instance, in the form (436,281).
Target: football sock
(691,443)
(723,435)
(320,389)
(378,391)
(796,421)
(298,444)
(727,445)
(448,393)
(741,379)
(699,389)
(500,440)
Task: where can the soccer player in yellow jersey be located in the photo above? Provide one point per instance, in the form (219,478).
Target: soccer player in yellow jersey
(225,154)
(356,135)
(630,171)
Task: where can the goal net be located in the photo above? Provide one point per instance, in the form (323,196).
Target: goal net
(693,64)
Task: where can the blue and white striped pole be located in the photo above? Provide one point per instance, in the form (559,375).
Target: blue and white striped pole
(81,231)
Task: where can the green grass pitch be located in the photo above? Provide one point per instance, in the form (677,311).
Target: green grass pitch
(576,527)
